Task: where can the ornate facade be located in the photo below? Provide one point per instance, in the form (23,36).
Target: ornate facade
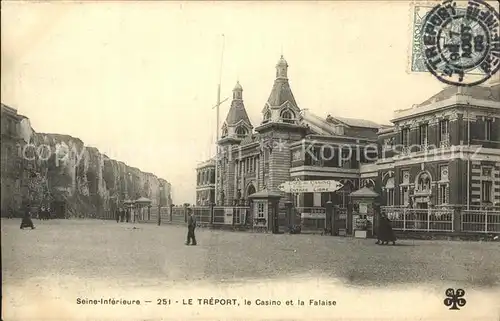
(445,151)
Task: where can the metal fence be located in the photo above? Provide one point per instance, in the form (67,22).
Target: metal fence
(231,215)
(411,219)
(481,221)
(202,215)
(178,215)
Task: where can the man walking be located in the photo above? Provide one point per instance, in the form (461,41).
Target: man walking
(191,238)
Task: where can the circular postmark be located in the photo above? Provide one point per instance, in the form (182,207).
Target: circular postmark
(461,45)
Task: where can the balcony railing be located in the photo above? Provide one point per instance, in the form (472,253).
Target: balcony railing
(444,143)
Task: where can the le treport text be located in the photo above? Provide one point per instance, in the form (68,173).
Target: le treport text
(208,301)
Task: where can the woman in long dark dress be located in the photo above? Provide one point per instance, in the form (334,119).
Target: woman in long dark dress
(26,221)
(385,232)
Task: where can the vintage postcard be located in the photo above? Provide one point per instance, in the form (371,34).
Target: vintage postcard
(259,160)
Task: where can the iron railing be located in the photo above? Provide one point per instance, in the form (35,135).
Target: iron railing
(411,219)
(230,215)
(481,221)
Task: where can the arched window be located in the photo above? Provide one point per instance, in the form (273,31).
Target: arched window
(389,192)
(224,130)
(241,132)
(287,116)
(369,183)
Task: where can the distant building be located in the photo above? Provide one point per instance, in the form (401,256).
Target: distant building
(421,160)
(205,183)
(12,174)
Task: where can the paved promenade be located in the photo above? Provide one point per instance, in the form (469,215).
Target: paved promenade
(78,247)
(91,252)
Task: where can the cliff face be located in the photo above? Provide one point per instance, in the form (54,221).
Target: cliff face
(48,168)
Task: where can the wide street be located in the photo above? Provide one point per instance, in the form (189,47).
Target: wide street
(96,254)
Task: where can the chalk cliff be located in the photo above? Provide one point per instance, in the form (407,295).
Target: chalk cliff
(45,169)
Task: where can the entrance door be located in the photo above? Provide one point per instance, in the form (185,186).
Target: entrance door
(59,209)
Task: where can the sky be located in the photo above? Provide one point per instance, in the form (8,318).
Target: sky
(138,80)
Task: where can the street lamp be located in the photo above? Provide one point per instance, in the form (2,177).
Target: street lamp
(159,204)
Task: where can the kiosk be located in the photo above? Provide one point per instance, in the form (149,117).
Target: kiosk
(363,213)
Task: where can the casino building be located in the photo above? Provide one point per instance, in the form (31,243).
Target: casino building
(443,151)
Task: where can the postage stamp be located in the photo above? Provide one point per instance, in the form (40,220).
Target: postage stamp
(458,42)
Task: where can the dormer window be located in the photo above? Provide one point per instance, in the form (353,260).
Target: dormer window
(267,116)
(224,131)
(287,116)
(241,132)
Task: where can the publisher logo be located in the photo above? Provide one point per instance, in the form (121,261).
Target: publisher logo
(455,299)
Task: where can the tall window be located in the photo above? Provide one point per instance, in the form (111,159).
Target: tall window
(488,123)
(423,132)
(405,195)
(443,193)
(261,210)
(405,137)
(444,132)
(390,196)
(389,187)
(486,189)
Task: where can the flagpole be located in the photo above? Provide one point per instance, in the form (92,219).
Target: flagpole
(216,191)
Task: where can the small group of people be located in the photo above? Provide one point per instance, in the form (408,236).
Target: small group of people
(385,234)
(122,215)
(44,213)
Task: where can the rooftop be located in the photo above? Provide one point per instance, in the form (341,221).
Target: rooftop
(357,122)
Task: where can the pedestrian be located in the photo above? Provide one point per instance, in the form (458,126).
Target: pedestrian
(191,238)
(26,221)
(10,212)
(117,214)
(385,232)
